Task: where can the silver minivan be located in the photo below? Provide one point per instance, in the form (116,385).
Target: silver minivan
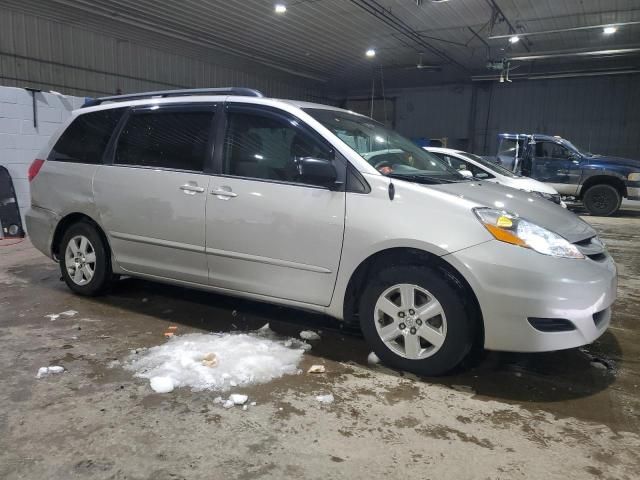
(282,201)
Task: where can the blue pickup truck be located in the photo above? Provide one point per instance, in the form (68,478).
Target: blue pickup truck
(599,181)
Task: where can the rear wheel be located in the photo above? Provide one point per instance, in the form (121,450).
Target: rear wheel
(414,320)
(84,261)
(602,200)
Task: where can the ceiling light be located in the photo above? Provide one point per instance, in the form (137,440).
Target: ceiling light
(610,30)
(280,8)
(514,39)
(371,53)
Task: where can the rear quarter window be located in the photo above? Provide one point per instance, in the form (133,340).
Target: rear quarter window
(86,138)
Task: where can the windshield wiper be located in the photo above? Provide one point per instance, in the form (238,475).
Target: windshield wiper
(421,178)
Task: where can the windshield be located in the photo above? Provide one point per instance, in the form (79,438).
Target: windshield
(385,150)
(490,165)
(576,148)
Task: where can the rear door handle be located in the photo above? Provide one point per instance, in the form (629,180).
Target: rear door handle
(191,189)
(224,193)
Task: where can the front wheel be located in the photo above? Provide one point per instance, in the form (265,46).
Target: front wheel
(84,260)
(602,200)
(414,320)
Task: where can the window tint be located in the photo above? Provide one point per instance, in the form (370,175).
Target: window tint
(265,147)
(86,138)
(166,139)
(551,150)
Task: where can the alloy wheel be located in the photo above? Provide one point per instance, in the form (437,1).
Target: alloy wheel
(80,260)
(410,321)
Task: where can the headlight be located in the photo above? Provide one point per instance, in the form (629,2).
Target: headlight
(512,229)
(634,177)
(552,197)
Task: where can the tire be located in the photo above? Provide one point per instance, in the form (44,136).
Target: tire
(85,263)
(445,322)
(602,200)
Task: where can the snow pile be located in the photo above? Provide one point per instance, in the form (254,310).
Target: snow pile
(242,359)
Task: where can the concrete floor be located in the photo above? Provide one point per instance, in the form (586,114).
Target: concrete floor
(502,416)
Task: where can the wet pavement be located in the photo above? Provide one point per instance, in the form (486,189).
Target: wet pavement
(569,414)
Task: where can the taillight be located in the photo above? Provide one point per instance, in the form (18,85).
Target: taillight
(35,167)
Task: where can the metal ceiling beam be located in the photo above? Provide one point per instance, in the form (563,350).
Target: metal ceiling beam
(496,9)
(193,38)
(574,53)
(551,75)
(374,8)
(562,30)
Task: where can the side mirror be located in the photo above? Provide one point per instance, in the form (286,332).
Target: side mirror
(466,173)
(316,171)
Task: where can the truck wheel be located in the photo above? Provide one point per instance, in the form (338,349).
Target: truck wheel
(602,200)
(84,260)
(415,321)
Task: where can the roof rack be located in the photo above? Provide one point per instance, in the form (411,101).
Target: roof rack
(246,92)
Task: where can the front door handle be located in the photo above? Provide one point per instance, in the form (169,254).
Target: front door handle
(224,193)
(191,189)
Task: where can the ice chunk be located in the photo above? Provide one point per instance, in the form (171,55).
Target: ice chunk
(162,384)
(373,359)
(253,404)
(598,365)
(228,404)
(52,370)
(309,335)
(328,398)
(244,407)
(238,399)
(243,359)
(67,313)
(218,400)
(316,369)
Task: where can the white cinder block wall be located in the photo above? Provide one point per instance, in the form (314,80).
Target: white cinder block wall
(19,140)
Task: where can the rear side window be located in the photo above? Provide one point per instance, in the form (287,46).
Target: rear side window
(170,139)
(86,137)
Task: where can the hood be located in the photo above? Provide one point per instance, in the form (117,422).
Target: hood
(620,161)
(529,185)
(528,206)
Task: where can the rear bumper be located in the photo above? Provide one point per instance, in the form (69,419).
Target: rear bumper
(41,225)
(514,284)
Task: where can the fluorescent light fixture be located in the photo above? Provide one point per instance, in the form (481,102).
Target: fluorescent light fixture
(514,39)
(280,8)
(371,53)
(610,30)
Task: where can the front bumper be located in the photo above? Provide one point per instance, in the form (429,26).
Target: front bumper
(513,284)
(633,193)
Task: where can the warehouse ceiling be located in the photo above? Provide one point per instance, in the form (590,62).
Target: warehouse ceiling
(416,42)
